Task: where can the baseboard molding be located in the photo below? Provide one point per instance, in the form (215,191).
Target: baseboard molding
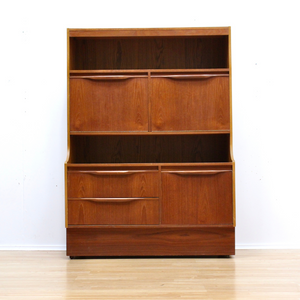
(237,246)
(34,247)
(267,246)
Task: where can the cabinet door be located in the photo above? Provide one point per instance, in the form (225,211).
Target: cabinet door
(197,197)
(190,102)
(103,103)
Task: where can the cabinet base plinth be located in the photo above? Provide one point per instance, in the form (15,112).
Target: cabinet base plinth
(162,241)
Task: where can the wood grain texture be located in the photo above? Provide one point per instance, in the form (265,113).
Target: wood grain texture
(140,32)
(250,274)
(150,148)
(150,241)
(109,105)
(150,53)
(91,185)
(129,211)
(190,104)
(196,197)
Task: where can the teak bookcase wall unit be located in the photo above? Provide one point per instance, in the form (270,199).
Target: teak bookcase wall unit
(150,170)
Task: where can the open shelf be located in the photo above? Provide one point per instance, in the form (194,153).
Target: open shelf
(198,52)
(150,148)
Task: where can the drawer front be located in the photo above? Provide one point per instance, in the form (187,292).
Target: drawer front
(197,197)
(113,183)
(113,211)
(184,103)
(109,105)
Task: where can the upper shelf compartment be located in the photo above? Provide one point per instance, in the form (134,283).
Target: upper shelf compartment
(148,52)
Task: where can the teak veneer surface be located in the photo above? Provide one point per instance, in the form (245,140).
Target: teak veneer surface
(143,241)
(109,105)
(180,103)
(150,149)
(149,53)
(103,32)
(115,184)
(114,211)
(193,197)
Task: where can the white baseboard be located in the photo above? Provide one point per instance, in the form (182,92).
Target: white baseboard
(237,246)
(32,247)
(267,246)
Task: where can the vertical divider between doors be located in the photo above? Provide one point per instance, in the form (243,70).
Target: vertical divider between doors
(160,193)
(149,102)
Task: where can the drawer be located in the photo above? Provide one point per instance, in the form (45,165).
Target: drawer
(99,183)
(197,197)
(113,211)
(109,103)
(190,102)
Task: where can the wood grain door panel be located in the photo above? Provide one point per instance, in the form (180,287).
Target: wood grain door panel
(190,102)
(112,183)
(197,197)
(102,104)
(113,211)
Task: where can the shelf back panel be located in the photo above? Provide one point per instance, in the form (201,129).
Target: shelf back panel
(150,149)
(202,52)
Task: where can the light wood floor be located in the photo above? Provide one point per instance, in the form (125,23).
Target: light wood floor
(250,274)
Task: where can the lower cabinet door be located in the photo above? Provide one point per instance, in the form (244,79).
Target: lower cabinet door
(113,211)
(197,197)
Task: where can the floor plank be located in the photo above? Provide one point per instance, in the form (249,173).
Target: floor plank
(250,274)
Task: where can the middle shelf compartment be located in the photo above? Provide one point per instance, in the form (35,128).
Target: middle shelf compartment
(150,148)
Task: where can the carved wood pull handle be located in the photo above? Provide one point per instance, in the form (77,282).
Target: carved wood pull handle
(189,76)
(105,173)
(109,200)
(202,172)
(108,77)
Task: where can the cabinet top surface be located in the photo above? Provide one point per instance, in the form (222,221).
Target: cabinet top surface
(144,32)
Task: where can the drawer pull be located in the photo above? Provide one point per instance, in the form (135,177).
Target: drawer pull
(203,172)
(109,77)
(190,76)
(105,173)
(110,200)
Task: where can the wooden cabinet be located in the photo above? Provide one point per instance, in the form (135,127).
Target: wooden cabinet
(150,170)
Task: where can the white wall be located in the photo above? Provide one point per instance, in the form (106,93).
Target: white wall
(266,96)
